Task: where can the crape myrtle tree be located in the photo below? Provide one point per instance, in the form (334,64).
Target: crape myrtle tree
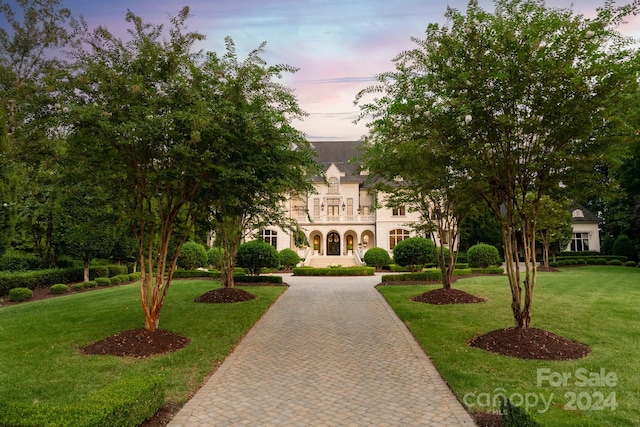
(151,109)
(266,158)
(521,99)
(413,176)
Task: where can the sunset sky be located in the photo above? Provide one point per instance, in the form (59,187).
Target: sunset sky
(339,45)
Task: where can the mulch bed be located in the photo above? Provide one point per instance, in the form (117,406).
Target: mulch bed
(137,343)
(225,295)
(485,419)
(531,343)
(444,296)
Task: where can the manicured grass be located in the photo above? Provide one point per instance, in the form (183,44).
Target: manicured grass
(39,341)
(598,306)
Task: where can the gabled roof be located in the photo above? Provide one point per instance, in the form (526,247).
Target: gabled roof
(339,153)
(587,217)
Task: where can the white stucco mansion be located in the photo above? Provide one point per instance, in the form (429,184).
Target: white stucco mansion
(340,222)
(339,219)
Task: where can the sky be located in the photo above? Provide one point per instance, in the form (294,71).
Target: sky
(339,46)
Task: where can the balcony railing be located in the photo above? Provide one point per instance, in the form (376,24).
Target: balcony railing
(331,219)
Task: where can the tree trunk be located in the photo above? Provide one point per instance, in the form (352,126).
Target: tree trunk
(86,270)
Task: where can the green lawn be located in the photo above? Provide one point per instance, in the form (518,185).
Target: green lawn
(598,306)
(39,341)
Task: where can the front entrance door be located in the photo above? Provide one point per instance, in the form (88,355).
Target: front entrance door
(333,244)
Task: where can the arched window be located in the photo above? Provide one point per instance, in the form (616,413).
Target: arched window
(577,213)
(334,186)
(396,236)
(271,237)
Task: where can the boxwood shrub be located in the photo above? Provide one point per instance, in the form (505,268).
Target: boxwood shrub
(91,284)
(615,262)
(601,261)
(20,294)
(630,264)
(78,286)
(340,271)
(103,281)
(59,288)
(39,278)
(127,402)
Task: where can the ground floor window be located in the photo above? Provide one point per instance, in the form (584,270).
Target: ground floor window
(580,242)
(396,236)
(271,237)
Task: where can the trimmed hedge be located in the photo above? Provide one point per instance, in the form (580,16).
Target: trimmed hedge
(340,271)
(127,402)
(425,276)
(39,278)
(20,294)
(614,262)
(630,264)
(79,286)
(103,281)
(257,279)
(60,288)
(488,270)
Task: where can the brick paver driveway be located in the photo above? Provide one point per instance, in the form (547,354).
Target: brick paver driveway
(329,352)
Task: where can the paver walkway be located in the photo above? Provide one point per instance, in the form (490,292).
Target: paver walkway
(329,352)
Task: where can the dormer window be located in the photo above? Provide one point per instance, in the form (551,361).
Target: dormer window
(577,213)
(334,186)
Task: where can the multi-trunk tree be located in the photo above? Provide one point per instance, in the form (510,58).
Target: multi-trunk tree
(521,101)
(180,135)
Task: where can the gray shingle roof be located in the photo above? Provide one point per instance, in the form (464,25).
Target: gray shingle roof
(339,153)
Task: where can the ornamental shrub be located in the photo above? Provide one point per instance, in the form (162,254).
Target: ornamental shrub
(288,258)
(256,255)
(214,256)
(103,281)
(629,264)
(20,294)
(377,257)
(623,246)
(414,252)
(78,286)
(91,284)
(115,280)
(193,255)
(600,261)
(615,262)
(483,255)
(60,288)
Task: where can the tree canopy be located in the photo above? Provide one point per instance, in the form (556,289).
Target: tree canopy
(520,101)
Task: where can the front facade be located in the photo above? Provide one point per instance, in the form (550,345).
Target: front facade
(343,217)
(340,220)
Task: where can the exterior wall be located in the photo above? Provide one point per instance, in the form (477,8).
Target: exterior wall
(593,232)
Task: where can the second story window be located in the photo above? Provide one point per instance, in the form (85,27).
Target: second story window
(398,211)
(334,186)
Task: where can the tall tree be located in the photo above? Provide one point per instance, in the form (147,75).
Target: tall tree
(521,99)
(266,158)
(143,107)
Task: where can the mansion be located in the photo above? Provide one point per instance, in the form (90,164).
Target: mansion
(339,219)
(343,219)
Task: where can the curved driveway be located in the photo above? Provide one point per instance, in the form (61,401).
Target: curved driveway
(329,352)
